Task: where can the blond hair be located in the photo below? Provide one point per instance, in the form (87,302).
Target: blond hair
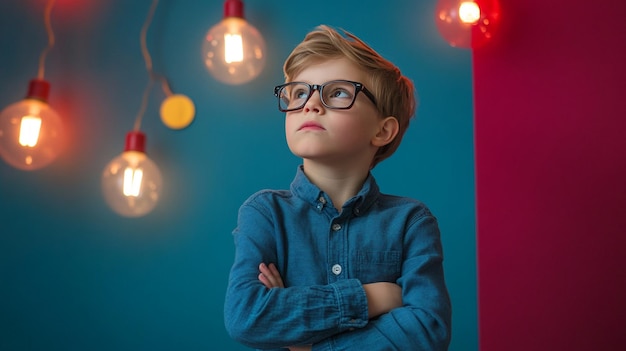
(394,92)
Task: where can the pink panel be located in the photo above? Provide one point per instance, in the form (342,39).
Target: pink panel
(550,100)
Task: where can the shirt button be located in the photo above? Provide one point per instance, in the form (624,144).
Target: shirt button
(336,269)
(322,200)
(336,226)
(357,211)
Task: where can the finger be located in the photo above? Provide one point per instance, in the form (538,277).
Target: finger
(265,281)
(276,275)
(269,275)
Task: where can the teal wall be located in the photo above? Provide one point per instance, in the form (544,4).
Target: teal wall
(76,276)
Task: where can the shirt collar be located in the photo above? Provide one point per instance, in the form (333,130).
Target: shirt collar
(302,187)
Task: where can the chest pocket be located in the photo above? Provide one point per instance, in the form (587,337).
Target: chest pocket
(378,266)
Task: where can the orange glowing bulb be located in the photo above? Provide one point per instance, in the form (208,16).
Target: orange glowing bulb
(233,50)
(31,132)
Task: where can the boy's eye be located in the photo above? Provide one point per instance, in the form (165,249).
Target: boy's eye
(339,93)
(300,93)
(339,90)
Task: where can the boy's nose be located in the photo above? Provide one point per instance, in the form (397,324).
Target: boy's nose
(314,103)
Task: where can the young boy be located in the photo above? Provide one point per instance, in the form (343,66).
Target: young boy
(332,263)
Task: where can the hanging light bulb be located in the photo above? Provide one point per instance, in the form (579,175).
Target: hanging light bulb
(234,50)
(31,132)
(131,182)
(467,23)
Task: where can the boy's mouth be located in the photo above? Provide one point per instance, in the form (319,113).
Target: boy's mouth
(311,126)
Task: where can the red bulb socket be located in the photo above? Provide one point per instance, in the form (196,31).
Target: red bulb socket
(233,8)
(38,89)
(135,141)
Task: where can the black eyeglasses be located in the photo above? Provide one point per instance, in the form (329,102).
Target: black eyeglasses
(336,94)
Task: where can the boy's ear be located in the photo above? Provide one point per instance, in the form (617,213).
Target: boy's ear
(388,129)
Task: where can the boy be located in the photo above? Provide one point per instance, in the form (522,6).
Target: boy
(332,263)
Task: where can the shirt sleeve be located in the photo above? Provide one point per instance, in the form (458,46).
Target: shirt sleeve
(424,321)
(272,318)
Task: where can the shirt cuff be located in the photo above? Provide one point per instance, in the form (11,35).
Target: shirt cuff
(352,303)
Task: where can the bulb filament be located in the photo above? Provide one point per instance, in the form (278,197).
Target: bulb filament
(469,12)
(233,48)
(29,131)
(132,181)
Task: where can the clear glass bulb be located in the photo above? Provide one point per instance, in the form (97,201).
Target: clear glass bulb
(131,184)
(234,51)
(467,23)
(31,134)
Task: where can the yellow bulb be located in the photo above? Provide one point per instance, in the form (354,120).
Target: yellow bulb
(234,51)
(177,111)
(31,134)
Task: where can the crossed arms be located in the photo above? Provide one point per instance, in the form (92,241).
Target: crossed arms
(263,310)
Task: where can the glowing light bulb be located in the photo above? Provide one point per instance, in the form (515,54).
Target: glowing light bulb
(234,50)
(469,12)
(30,127)
(131,182)
(467,23)
(31,132)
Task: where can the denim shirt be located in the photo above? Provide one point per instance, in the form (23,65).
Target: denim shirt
(324,257)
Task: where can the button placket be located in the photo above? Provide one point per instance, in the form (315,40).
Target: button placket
(321,201)
(336,268)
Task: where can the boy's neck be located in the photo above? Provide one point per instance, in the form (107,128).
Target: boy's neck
(339,183)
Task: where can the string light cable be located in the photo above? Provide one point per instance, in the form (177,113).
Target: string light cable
(177,111)
(51,39)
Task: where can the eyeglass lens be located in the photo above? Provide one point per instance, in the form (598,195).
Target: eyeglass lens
(336,94)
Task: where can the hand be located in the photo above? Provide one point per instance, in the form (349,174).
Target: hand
(382,297)
(270,277)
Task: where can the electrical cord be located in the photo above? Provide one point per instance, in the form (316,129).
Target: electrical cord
(51,40)
(148,61)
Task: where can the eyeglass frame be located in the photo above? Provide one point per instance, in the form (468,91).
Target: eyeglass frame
(358,87)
